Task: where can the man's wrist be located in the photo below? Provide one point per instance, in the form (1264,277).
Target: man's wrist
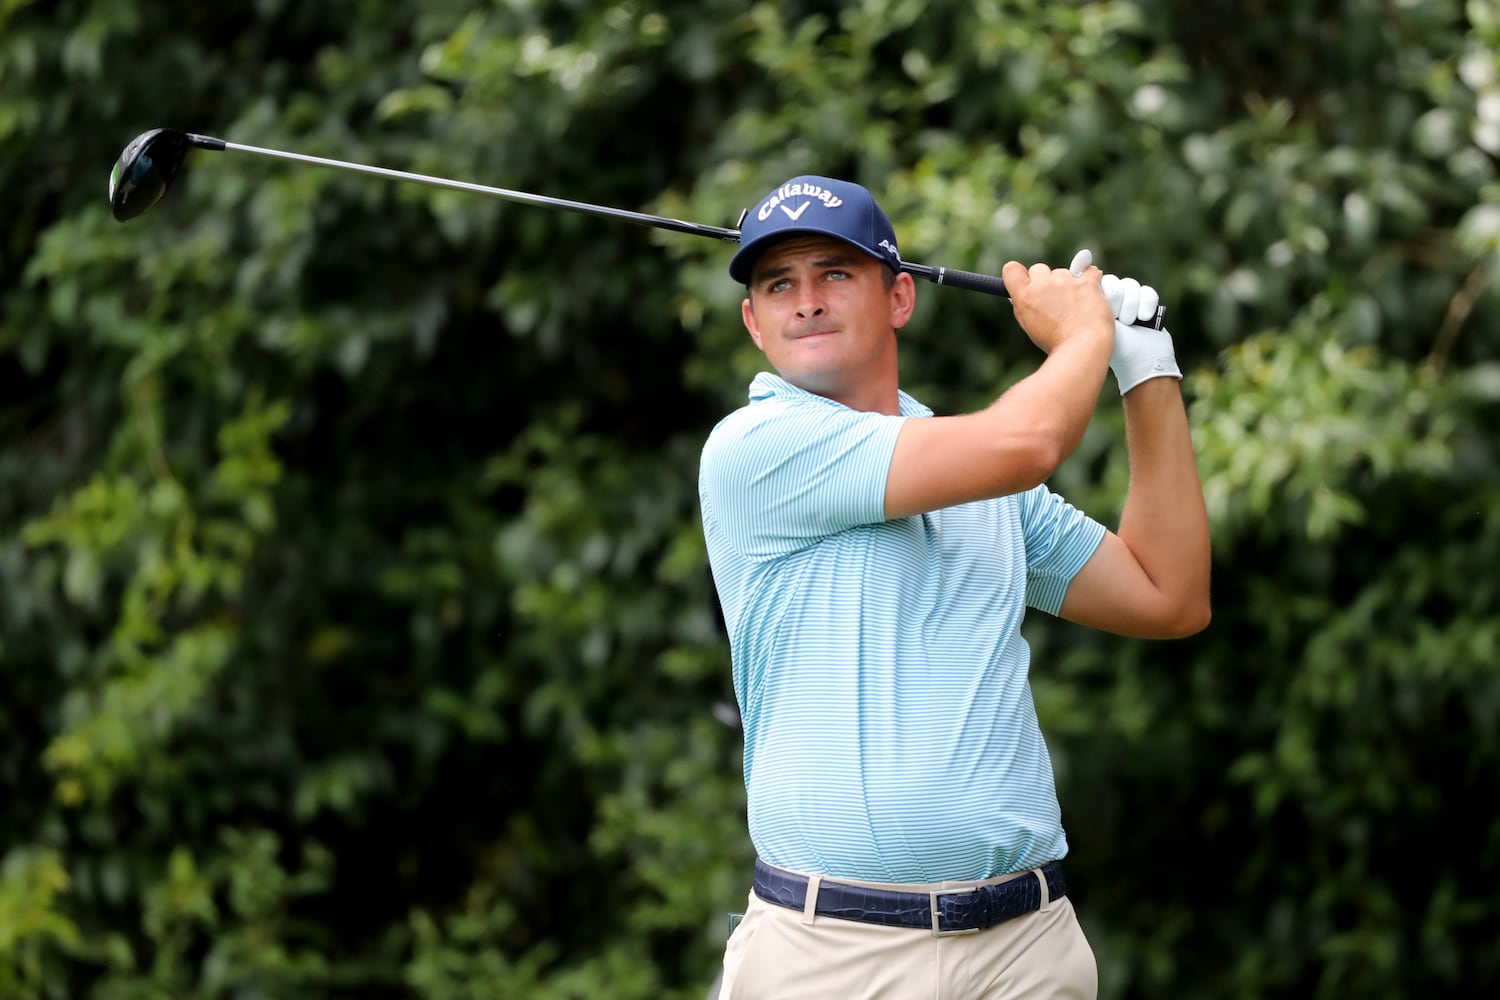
(1164,381)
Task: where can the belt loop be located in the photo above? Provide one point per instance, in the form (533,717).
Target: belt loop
(1041,877)
(810,908)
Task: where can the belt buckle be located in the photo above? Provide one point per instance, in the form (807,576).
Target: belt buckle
(932,897)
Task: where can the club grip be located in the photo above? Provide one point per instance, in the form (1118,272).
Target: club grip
(992,285)
(987,283)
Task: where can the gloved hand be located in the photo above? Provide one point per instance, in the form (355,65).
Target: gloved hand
(1141,353)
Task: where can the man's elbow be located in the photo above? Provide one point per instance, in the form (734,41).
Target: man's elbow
(1190,618)
(1032,461)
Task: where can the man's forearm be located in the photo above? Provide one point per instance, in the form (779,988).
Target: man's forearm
(1008,447)
(1164,522)
(1056,401)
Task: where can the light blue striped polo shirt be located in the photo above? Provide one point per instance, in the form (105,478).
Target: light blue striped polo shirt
(890,733)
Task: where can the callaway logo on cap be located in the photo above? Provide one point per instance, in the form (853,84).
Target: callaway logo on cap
(841,209)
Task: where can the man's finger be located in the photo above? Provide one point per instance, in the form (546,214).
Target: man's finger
(1081,261)
(1130,299)
(1149,302)
(1015,275)
(1110,286)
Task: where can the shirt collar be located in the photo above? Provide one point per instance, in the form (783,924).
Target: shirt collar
(768,386)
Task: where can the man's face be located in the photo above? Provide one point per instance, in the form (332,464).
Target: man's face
(825,314)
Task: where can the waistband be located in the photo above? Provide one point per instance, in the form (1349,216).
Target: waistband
(958,910)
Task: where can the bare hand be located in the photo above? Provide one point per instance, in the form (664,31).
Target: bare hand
(1054,305)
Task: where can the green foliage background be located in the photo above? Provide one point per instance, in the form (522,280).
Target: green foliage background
(356,638)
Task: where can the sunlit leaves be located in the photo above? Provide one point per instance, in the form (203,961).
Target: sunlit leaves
(1288,426)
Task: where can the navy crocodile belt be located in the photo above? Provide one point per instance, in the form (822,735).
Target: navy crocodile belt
(942,911)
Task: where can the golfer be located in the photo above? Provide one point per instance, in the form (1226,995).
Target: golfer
(875,562)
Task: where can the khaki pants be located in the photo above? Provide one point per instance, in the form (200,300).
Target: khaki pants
(778,953)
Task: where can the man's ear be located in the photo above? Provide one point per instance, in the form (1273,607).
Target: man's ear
(903,300)
(747,313)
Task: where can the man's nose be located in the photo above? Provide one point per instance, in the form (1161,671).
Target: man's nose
(808,301)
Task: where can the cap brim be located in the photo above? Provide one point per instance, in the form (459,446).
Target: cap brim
(742,265)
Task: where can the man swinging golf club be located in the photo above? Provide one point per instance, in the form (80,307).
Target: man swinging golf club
(874,563)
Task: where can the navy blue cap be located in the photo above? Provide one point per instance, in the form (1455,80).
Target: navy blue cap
(815,205)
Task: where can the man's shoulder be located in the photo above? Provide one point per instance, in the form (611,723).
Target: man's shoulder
(771,401)
(752,426)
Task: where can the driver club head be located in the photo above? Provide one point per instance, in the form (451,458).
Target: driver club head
(144,170)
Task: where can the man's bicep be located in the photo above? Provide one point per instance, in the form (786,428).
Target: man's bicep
(944,461)
(1113,593)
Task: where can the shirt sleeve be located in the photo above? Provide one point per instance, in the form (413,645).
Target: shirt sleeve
(1059,540)
(779,476)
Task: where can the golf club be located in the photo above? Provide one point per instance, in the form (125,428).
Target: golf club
(150,161)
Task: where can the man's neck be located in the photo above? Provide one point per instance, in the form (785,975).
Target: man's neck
(872,399)
(872,391)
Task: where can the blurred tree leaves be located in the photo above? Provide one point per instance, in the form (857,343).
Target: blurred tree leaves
(355,634)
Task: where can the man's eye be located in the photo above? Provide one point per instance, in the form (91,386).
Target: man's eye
(837,275)
(779,285)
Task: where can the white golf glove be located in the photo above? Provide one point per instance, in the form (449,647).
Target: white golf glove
(1141,353)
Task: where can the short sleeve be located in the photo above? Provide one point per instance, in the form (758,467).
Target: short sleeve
(1059,540)
(776,476)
